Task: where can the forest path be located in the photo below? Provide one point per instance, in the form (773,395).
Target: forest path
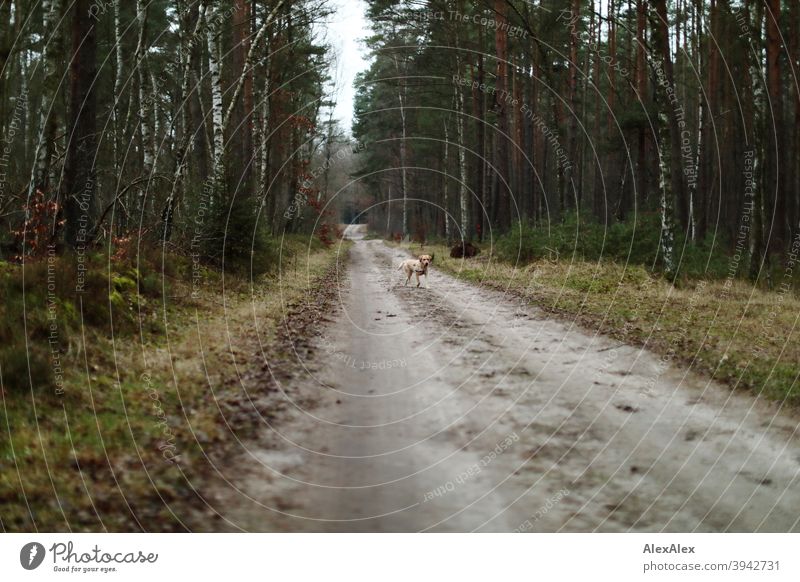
(454,408)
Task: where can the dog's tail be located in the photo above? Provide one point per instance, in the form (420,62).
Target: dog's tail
(400,267)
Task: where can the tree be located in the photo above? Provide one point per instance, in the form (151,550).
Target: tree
(775,171)
(668,135)
(79,167)
(50,118)
(214,39)
(501,202)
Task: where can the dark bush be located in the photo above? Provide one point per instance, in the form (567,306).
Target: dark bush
(464,250)
(14,363)
(239,243)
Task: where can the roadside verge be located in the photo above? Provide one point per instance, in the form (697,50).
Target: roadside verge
(725,329)
(141,417)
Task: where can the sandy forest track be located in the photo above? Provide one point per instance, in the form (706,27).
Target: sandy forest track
(454,408)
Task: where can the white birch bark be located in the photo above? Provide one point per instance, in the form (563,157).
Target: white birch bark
(758,79)
(156,109)
(215,72)
(145,114)
(446,184)
(698,19)
(462,163)
(322,195)
(665,188)
(263,135)
(179,176)
(48,125)
(248,63)
(118,80)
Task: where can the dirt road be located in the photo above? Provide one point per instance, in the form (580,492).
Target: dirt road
(454,408)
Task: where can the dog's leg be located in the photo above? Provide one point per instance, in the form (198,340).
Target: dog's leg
(417,275)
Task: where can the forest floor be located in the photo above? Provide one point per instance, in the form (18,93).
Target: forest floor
(331,397)
(141,416)
(458,407)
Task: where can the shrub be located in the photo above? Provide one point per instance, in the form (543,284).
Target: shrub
(522,245)
(14,366)
(238,242)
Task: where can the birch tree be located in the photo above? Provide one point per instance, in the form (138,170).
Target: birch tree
(756,103)
(188,42)
(50,111)
(446,186)
(145,99)
(775,170)
(667,137)
(463,200)
(217,114)
(118,80)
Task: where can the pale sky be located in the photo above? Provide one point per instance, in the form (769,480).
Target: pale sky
(347,27)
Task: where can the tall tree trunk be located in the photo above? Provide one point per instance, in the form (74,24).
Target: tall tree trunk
(479,100)
(119,129)
(6,36)
(531,176)
(264,129)
(775,169)
(709,172)
(446,185)
(215,73)
(612,133)
(518,168)
(49,120)
(500,191)
(612,77)
(573,101)
(188,41)
(79,166)
(694,180)
(389,213)
(244,80)
(600,202)
(641,90)
(401,97)
(756,100)
(463,199)
(667,134)
(145,114)
(793,153)
(242,110)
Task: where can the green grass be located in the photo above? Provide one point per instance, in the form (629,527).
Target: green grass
(634,242)
(78,450)
(731,330)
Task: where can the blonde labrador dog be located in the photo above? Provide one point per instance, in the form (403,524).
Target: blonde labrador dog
(417,267)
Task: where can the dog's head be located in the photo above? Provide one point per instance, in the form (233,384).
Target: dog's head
(425,260)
